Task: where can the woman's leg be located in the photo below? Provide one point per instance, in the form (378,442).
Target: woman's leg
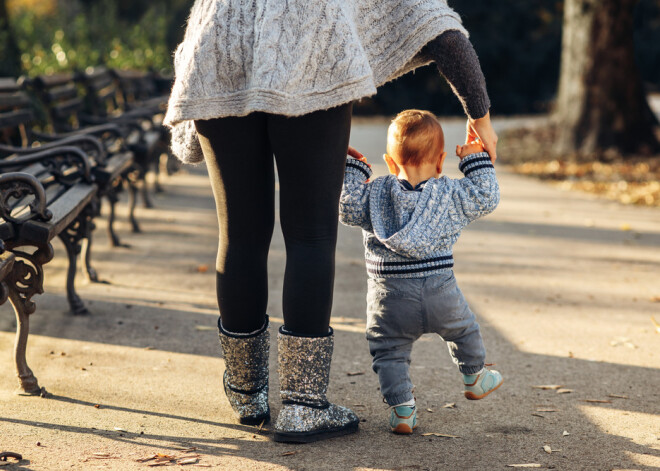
(240,165)
(310,152)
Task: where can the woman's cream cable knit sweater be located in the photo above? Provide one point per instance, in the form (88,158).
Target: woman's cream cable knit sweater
(292,57)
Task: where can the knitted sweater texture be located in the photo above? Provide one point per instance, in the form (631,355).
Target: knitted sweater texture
(410,234)
(293,57)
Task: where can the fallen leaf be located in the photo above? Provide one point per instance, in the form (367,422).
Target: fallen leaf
(449,405)
(625,227)
(355,373)
(618,396)
(148,458)
(548,386)
(547,449)
(206,327)
(289,453)
(188,461)
(565,433)
(119,429)
(655,323)
(104,455)
(546,409)
(598,401)
(202,268)
(442,435)
(524,465)
(655,299)
(96,406)
(429,410)
(564,391)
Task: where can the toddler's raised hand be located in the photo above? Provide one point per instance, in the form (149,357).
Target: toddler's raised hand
(472,147)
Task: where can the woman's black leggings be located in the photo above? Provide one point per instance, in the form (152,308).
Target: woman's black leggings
(310,152)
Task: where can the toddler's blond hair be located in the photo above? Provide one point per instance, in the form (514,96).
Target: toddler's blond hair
(415,137)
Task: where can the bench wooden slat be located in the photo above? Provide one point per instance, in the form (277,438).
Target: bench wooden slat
(15,118)
(65,209)
(8,84)
(15,100)
(64,92)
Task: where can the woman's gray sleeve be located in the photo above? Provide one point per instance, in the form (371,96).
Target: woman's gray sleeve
(457,61)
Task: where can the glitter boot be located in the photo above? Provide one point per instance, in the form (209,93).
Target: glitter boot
(246,373)
(304,369)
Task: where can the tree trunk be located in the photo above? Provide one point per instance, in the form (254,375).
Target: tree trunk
(10,56)
(601,103)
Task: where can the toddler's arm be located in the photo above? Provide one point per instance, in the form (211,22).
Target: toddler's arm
(478,193)
(354,200)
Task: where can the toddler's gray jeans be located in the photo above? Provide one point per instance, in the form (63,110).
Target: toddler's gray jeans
(400,310)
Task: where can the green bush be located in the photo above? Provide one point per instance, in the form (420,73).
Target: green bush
(77,39)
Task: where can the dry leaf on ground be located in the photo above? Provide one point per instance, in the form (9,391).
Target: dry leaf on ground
(289,453)
(148,458)
(188,461)
(564,391)
(565,433)
(547,449)
(449,405)
(598,401)
(429,410)
(548,386)
(655,323)
(442,435)
(355,373)
(546,409)
(618,396)
(206,327)
(202,268)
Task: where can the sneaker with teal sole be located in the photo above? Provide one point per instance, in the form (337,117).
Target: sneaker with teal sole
(481,385)
(403,419)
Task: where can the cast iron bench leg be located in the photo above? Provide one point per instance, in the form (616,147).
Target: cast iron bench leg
(132,203)
(71,237)
(26,280)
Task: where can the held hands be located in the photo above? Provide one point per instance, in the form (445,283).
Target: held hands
(470,148)
(482,129)
(357,155)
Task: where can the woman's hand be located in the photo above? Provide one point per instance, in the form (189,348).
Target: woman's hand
(357,155)
(483,129)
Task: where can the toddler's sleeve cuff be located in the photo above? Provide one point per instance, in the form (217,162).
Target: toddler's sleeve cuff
(358,167)
(476,162)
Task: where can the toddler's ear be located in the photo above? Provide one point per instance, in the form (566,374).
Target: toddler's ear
(391,164)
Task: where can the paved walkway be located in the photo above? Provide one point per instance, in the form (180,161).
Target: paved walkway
(563,284)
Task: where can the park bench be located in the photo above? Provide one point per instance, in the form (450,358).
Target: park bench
(51,195)
(104,103)
(149,91)
(112,163)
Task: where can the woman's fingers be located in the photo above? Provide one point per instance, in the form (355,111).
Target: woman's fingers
(355,154)
(483,128)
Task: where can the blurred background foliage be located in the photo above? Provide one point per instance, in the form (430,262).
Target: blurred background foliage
(518,43)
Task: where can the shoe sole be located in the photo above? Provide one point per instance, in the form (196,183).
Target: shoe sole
(403,429)
(255,420)
(309,437)
(474,397)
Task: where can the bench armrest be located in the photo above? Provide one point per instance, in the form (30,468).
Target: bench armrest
(83,141)
(60,162)
(18,185)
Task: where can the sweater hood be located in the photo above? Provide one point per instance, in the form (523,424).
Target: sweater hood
(399,216)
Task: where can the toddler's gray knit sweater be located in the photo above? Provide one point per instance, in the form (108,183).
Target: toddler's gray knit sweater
(410,233)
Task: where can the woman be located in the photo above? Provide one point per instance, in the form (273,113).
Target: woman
(257,78)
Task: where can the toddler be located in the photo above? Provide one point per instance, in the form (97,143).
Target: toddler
(410,221)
